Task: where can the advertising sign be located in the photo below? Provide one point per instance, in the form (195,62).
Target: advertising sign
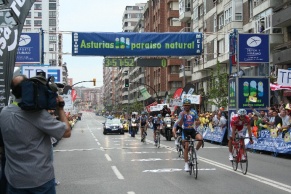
(29,48)
(136,44)
(232,93)
(284,77)
(33,70)
(253,48)
(251,88)
(195,99)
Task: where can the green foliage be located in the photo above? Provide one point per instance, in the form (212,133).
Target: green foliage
(217,89)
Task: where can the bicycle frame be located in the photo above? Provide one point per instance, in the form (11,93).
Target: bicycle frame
(239,150)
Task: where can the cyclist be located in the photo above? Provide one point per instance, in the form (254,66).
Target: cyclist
(239,122)
(143,124)
(157,124)
(187,119)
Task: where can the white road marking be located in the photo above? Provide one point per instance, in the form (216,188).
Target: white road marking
(130,192)
(98,143)
(71,150)
(146,160)
(175,170)
(108,157)
(258,178)
(117,173)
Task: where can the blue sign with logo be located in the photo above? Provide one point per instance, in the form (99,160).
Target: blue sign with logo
(136,44)
(29,48)
(253,91)
(254,48)
(56,73)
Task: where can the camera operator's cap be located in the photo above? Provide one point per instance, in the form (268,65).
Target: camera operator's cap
(44,81)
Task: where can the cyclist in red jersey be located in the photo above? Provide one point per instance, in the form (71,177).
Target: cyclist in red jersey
(239,122)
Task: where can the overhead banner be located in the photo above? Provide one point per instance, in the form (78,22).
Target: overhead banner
(10,30)
(136,44)
(29,48)
(253,48)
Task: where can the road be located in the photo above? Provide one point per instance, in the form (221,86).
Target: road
(90,162)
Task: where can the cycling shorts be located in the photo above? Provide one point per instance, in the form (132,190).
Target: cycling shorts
(191,132)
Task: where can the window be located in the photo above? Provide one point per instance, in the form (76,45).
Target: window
(28,22)
(215,48)
(201,10)
(129,8)
(227,15)
(128,15)
(195,13)
(37,22)
(220,21)
(176,84)
(52,22)
(174,69)
(251,7)
(52,14)
(29,15)
(52,6)
(204,6)
(263,23)
(37,14)
(37,6)
(220,47)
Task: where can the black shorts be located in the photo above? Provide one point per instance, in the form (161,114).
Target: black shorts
(186,133)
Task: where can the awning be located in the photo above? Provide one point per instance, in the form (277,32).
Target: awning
(279,87)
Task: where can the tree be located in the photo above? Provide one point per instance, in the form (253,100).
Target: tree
(217,89)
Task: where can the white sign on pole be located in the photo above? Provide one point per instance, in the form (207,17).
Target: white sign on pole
(195,99)
(176,102)
(284,77)
(68,101)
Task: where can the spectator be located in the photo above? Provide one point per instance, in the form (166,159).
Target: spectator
(255,125)
(278,119)
(285,122)
(26,136)
(222,120)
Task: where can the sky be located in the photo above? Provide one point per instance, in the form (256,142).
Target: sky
(89,16)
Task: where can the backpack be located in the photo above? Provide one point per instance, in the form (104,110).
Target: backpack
(37,93)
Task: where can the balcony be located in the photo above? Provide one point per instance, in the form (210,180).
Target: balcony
(262,5)
(169,1)
(185,15)
(283,54)
(187,72)
(282,18)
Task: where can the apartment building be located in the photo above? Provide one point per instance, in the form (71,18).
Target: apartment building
(216,20)
(43,18)
(163,16)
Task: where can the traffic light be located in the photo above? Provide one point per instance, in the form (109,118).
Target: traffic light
(94,81)
(126,83)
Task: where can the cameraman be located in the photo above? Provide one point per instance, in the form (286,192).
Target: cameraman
(28,149)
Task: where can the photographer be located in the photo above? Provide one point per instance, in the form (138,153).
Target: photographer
(26,136)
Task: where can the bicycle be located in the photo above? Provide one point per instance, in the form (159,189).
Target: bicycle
(192,156)
(158,138)
(237,152)
(179,147)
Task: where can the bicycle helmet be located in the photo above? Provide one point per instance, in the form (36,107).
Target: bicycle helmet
(241,112)
(167,115)
(186,102)
(159,115)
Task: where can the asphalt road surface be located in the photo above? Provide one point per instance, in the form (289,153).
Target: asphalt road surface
(90,162)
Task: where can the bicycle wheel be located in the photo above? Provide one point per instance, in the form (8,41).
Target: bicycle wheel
(234,161)
(244,164)
(159,140)
(195,164)
(190,159)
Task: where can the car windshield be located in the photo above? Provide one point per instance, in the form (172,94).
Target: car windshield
(113,121)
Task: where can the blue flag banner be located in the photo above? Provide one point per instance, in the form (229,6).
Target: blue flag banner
(216,134)
(270,141)
(254,48)
(29,48)
(136,44)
